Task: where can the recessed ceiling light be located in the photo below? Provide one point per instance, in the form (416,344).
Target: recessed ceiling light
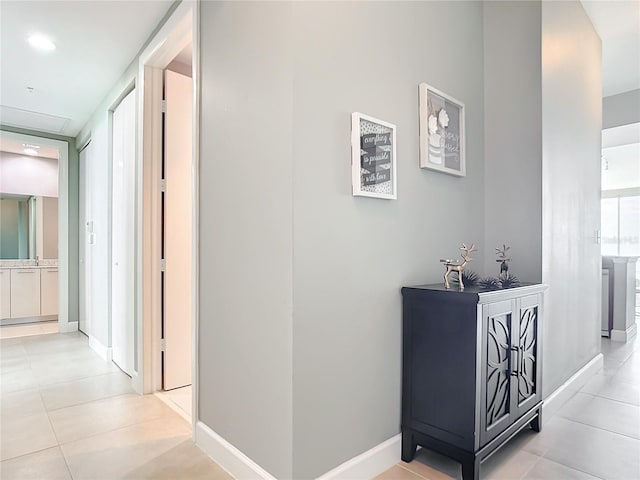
(31,151)
(41,42)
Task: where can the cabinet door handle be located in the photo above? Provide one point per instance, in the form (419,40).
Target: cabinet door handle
(515,371)
(20,271)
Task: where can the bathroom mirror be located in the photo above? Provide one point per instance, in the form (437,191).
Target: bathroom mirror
(28,227)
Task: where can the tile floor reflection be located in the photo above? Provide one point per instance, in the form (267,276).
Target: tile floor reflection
(595,435)
(67,414)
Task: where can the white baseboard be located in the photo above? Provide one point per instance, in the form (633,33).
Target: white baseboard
(106,353)
(67,327)
(369,464)
(568,389)
(236,463)
(625,335)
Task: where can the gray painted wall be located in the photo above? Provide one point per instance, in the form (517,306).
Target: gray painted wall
(352,254)
(73,212)
(246,204)
(300,314)
(572,122)
(621,109)
(513,136)
(276,203)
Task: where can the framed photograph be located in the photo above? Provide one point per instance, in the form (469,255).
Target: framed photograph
(373,157)
(442,138)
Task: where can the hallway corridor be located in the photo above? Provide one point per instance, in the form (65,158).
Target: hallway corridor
(68,414)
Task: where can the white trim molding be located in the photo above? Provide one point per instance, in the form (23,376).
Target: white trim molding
(625,335)
(105,352)
(568,389)
(369,464)
(236,463)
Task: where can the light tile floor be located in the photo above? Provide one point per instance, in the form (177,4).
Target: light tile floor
(179,399)
(594,435)
(67,414)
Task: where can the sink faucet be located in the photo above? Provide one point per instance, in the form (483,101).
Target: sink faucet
(37,260)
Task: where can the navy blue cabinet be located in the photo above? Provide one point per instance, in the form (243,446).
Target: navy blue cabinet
(472,370)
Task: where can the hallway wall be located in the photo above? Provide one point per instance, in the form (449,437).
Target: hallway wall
(621,109)
(513,136)
(300,273)
(246,237)
(353,254)
(571,166)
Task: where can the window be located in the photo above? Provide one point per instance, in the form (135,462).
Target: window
(621,226)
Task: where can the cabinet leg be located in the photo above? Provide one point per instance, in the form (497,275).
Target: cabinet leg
(409,447)
(536,423)
(471,468)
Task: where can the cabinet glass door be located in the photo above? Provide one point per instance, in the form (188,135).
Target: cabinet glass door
(497,365)
(525,389)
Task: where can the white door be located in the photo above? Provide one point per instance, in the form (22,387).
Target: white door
(122,231)
(84,247)
(178,230)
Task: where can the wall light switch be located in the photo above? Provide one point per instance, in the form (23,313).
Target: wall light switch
(91,239)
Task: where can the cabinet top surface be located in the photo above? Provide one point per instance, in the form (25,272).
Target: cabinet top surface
(30,267)
(475,293)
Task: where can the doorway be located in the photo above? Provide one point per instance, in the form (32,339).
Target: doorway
(177,229)
(168,264)
(34,286)
(85,242)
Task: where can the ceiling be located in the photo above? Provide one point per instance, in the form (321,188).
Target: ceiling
(12,146)
(618,25)
(96,40)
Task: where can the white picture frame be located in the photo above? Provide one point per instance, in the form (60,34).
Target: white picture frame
(373,157)
(442,132)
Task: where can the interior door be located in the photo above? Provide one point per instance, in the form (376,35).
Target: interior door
(122,231)
(84,206)
(178,230)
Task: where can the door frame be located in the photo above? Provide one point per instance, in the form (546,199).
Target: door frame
(64,325)
(82,240)
(181,28)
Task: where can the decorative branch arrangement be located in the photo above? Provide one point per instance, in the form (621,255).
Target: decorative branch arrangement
(470,278)
(502,260)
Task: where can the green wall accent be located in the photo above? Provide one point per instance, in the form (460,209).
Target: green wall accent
(73,211)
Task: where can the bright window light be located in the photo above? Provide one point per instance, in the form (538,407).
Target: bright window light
(30,151)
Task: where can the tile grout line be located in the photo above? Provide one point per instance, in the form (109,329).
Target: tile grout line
(89,401)
(603,429)
(415,473)
(55,435)
(609,398)
(121,427)
(531,467)
(574,468)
